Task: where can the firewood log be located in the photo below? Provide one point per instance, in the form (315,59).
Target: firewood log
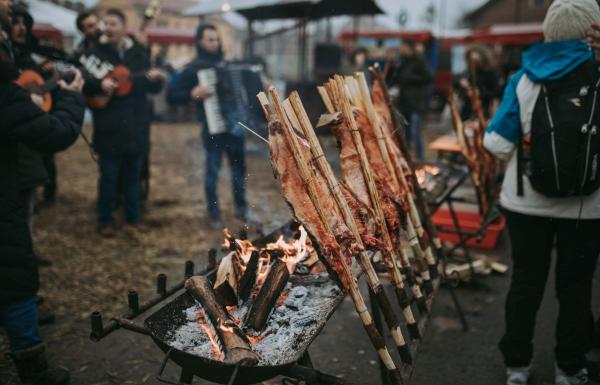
(236,347)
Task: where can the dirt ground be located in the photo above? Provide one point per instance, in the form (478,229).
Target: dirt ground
(91,273)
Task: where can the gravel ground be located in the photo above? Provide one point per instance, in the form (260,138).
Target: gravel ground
(91,273)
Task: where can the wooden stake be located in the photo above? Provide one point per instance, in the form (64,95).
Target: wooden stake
(297,114)
(341,100)
(375,122)
(354,291)
(419,203)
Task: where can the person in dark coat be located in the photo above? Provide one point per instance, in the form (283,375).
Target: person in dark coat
(33,165)
(25,123)
(88,24)
(120,129)
(184,88)
(32,170)
(412,77)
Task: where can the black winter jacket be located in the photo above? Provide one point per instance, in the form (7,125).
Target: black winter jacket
(413,77)
(121,127)
(24,123)
(32,171)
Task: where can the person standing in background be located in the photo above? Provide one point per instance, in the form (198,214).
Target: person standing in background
(184,88)
(120,127)
(357,61)
(412,77)
(88,24)
(481,74)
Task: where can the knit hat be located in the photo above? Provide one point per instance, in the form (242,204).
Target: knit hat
(570,19)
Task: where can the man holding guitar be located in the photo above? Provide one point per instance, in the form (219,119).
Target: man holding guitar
(118,79)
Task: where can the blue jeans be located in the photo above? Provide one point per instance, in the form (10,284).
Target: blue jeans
(233,147)
(20,321)
(129,167)
(414,133)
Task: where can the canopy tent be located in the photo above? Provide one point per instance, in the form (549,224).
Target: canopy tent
(304,10)
(47,13)
(286,9)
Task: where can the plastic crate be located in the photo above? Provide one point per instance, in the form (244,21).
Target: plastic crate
(469,222)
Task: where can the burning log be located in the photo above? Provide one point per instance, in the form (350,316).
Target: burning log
(280,123)
(267,296)
(225,283)
(235,345)
(297,114)
(249,278)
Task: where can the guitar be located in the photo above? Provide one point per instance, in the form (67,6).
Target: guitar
(33,82)
(121,74)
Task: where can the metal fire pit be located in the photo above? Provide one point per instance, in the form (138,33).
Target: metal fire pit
(164,322)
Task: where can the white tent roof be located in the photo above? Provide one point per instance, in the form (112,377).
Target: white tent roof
(44,12)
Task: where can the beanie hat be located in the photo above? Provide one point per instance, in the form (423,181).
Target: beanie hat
(570,19)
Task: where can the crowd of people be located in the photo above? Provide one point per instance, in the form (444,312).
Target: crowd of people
(111,73)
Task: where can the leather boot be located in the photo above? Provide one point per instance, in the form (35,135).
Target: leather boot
(33,368)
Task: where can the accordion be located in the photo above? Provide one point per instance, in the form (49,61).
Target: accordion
(233,90)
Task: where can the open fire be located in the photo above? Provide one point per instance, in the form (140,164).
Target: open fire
(276,315)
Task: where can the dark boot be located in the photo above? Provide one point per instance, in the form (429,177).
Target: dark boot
(33,368)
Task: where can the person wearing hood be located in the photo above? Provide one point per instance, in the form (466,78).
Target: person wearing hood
(552,97)
(184,88)
(32,165)
(121,127)
(24,123)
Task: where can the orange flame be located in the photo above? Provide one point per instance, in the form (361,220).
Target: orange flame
(424,170)
(255,339)
(226,329)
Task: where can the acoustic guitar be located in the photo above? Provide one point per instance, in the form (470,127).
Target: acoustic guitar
(33,82)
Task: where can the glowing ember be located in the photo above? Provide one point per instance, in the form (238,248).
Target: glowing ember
(255,339)
(226,329)
(424,170)
(210,332)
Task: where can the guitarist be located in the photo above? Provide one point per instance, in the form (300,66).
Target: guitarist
(120,128)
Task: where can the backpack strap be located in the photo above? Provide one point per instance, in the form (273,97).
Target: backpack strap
(520,161)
